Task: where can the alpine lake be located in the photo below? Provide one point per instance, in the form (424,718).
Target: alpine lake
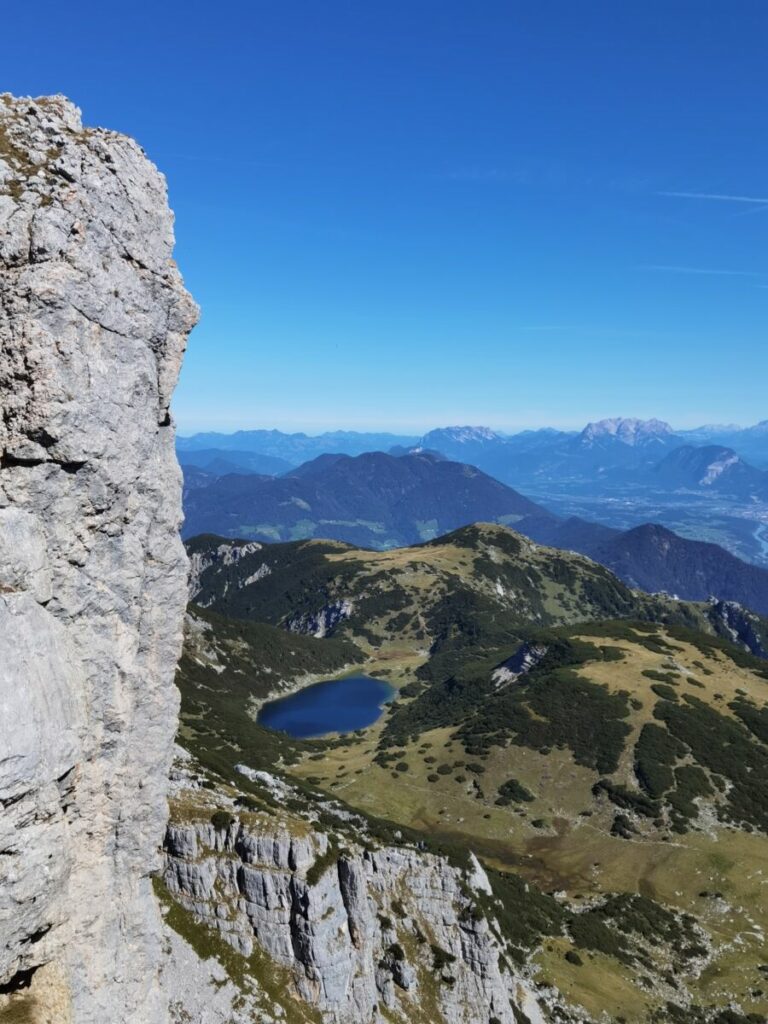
(332,706)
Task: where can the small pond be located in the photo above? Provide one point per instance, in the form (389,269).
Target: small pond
(336,705)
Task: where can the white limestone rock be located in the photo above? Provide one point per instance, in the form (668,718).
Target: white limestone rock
(335,928)
(93,324)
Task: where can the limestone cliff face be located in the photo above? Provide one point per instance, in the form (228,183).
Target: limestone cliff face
(362,935)
(93,323)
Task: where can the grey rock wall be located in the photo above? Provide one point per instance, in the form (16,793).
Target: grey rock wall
(355,929)
(93,324)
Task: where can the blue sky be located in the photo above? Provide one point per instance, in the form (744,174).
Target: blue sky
(408,214)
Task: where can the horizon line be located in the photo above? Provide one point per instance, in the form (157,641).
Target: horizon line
(509,431)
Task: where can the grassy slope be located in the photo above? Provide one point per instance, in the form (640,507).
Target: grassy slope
(486,574)
(435,620)
(562,839)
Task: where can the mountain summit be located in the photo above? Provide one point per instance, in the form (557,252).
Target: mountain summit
(93,326)
(628,431)
(373,500)
(460,435)
(711,467)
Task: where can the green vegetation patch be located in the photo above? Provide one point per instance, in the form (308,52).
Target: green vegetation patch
(554,709)
(513,791)
(664,691)
(656,751)
(627,926)
(551,706)
(323,864)
(713,645)
(755,719)
(627,799)
(727,748)
(523,913)
(671,678)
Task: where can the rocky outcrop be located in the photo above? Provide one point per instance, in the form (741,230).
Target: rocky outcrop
(323,622)
(224,555)
(362,933)
(93,323)
(743,627)
(525,658)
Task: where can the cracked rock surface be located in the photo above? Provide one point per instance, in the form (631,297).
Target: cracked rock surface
(350,934)
(93,323)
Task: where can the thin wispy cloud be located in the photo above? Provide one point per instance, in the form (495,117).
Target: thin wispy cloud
(668,269)
(717,196)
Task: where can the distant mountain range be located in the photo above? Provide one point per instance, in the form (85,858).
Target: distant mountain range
(381,501)
(620,472)
(610,455)
(711,467)
(607,453)
(220,461)
(655,559)
(750,442)
(291,448)
(373,500)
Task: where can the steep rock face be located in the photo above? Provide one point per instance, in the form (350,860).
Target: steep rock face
(225,554)
(363,934)
(740,625)
(93,324)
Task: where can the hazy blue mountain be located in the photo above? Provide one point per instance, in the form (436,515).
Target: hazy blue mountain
(220,461)
(711,467)
(533,440)
(373,500)
(751,443)
(455,440)
(655,559)
(478,443)
(632,433)
(572,533)
(195,477)
(601,451)
(710,433)
(294,448)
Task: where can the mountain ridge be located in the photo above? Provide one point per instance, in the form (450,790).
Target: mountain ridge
(627,430)
(373,499)
(559,762)
(710,467)
(382,501)
(502,568)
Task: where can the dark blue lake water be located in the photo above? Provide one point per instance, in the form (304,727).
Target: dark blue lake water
(337,705)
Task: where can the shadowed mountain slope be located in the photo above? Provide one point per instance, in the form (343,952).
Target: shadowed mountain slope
(712,468)
(383,501)
(655,559)
(373,500)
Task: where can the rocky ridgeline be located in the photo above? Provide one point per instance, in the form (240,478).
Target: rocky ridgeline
(741,626)
(362,933)
(93,323)
(224,555)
